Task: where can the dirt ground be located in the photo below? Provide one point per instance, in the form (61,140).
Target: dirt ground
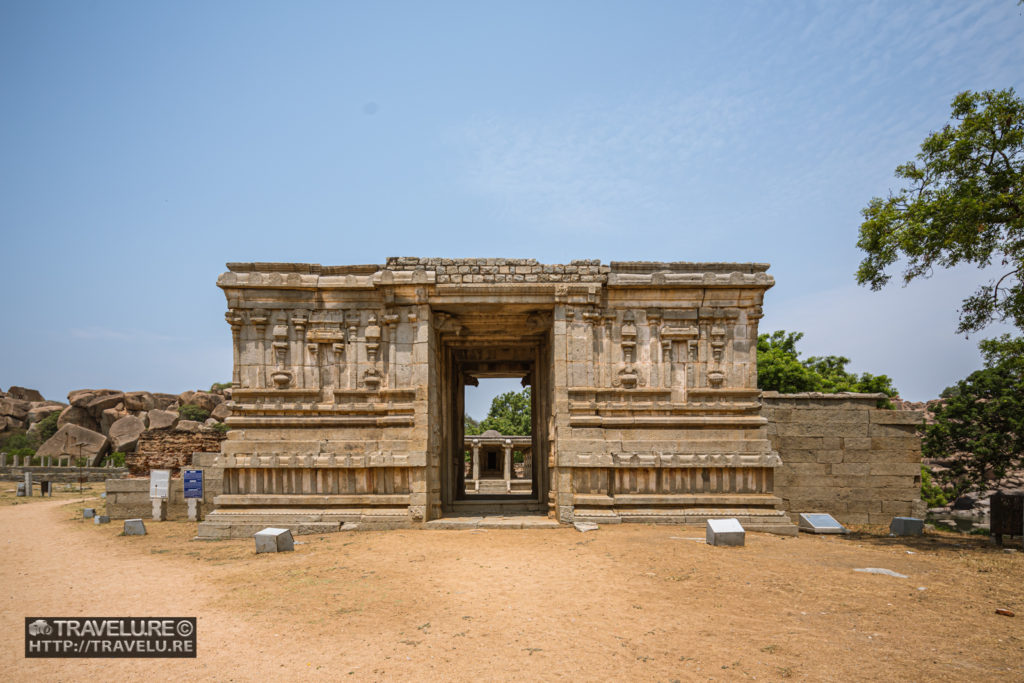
(621,603)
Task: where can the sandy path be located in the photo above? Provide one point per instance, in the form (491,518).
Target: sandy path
(52,568)
(622,603)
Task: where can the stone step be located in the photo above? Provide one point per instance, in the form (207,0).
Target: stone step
(493,522)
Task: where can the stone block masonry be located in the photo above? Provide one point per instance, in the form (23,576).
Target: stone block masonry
(844,456)
(347,385)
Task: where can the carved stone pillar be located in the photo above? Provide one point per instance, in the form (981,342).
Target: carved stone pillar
(476,465)
(508,466)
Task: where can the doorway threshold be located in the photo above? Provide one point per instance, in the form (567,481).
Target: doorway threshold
(493,521)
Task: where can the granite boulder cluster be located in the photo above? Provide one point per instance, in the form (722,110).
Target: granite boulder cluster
(95,422)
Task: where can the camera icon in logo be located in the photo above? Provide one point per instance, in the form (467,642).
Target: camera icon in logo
(39,627)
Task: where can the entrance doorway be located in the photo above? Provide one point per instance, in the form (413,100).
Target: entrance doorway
(491,472)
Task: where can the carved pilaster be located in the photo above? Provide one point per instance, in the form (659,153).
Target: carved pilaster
(234,319)
(299,323)
(258,319)
(391,325)
(351,354)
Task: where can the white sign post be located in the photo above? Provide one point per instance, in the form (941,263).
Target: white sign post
(159,490)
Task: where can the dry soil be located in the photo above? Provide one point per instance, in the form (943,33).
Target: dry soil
(621,603)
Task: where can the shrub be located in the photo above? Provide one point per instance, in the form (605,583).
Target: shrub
(191,411)
(48,426)
(20,443)
(220,427)
(220,386)
(931,493)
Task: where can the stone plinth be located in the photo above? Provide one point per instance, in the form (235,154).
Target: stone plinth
(272,540)
(725,532)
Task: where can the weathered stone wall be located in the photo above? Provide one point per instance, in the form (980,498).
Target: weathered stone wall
(129,498)
(170,449)
(844,456)
(64,475)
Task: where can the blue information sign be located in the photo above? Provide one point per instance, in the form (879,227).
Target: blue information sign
(193,483)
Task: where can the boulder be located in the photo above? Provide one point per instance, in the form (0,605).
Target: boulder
(162,419)
(76,415)
(13,407)
(164,401)
(125,433)
(111,415)
(10,424)
(188,426)
(40,411)
(206,400)
(81,397)
(140,401)
(221,412)
(75,441)
(100,403)
(185,397)
(25,394)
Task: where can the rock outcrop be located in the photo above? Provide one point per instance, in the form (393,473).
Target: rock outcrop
(98,421)
(74,442)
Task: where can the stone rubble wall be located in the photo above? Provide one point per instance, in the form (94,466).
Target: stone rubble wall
(169,449)
(498,270)
(844,456)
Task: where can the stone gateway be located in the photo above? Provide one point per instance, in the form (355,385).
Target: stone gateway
(347,400)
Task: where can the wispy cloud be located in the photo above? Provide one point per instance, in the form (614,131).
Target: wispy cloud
(592,167)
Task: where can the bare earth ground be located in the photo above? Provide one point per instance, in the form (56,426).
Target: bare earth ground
(621,603)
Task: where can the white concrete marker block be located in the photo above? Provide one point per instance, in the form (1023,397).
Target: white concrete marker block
(28,483)
(88,513)
(134,527)
(820,523)
(101,519)
(725,532)
(271,540)
(159,509)
(906,526)
(193,509)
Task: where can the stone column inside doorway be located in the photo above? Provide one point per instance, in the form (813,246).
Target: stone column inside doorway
(476,466)
(508,466)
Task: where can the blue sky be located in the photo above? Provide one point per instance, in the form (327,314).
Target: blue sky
(146,144)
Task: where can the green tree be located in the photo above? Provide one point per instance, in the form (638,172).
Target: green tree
(779,368)
(509,414)
(963,203)
(979,426)
(471,426)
